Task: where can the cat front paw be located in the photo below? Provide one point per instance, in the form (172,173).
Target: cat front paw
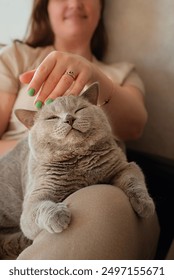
(55,218)
(144,207)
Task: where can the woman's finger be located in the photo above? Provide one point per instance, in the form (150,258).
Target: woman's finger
(65,84)
(41,74)
(26,77)
(53,82)
(82,80)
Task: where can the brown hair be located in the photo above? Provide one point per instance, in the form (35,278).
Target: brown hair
(40,33)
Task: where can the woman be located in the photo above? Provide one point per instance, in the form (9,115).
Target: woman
(62,46)
(75,34)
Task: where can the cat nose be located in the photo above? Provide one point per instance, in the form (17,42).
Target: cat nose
(69,119)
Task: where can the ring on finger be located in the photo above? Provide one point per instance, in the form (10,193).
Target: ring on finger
(71,74)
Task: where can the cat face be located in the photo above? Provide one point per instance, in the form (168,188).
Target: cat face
(70,122)
(66,117)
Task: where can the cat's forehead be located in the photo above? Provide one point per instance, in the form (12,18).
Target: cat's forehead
(64,103)
(68,102)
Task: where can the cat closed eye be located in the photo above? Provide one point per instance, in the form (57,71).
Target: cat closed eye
(52,118)
(80,109)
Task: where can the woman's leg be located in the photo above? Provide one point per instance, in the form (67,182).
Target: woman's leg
(103,226)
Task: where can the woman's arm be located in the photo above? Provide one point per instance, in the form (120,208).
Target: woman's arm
(6,146)
(126,112)
(6,105)
(125,107)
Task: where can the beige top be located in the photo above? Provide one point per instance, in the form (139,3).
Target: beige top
(18,58)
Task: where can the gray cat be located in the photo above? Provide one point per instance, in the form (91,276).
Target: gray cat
(70,146)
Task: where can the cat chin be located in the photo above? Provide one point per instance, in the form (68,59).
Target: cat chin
(74,134)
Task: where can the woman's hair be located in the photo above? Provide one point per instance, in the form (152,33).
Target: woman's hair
(39,32)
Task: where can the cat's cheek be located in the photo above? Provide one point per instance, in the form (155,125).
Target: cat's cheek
(61,132)
(82,126)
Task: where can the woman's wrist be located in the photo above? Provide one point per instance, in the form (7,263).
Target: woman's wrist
(107,97)
(6,146)
(106,88)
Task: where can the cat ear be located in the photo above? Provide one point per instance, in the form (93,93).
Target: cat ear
(92,92)
(26,117)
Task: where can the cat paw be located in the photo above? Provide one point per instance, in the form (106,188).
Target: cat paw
(56,219)
(59,218)
(144,207)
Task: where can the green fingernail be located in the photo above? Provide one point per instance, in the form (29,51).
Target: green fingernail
(31,91)
(48,101)
(39,104)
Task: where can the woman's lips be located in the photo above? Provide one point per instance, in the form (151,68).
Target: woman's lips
(75,15)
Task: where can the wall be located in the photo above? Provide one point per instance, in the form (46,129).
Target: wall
(13,19)
(142,32)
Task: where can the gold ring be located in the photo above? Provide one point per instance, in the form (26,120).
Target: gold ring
(71,74)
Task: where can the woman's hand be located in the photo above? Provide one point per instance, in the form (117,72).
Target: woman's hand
(64,73)
(60,73)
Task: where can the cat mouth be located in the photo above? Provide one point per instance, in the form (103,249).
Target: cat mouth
(73,129)
(77,128)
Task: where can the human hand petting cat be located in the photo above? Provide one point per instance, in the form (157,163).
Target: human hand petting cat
(60,73)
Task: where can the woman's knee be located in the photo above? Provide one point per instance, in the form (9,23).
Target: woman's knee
(121,233)
(98,201)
